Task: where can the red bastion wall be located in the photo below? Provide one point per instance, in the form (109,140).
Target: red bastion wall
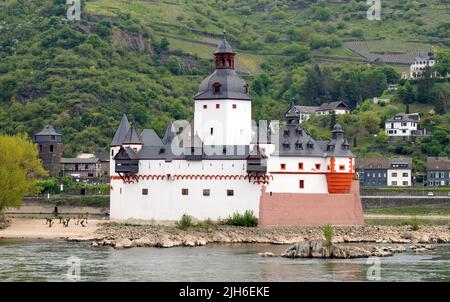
(311,209)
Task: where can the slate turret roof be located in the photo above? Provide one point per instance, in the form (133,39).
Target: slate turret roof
(132,137)
(224,46)
(48,130)
(121,132)
(232,86)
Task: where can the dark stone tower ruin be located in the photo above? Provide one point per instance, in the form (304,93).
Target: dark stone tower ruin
(50,149)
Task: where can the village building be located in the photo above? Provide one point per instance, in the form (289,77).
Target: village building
(219,164)
(305,112)
(86,167)
(338,107)
(372,171)
(404,125)
(384,171)
(420,64)
(438,171)
(399,173)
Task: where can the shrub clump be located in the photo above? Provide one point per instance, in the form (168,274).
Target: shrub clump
(4,223)
(248,219)
(328,233)
(414,223)
(185,222)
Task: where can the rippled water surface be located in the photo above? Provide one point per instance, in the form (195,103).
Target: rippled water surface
(48,261)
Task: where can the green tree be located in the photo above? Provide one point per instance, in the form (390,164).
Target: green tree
(163,45)
(425,86)
(442,65)
(441,102)
(369,120)
(174,65)
(333,119)
(406,94)
(19,166)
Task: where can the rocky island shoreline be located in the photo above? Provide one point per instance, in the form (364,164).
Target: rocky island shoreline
(127,236)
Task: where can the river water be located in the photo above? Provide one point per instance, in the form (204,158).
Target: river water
(25,260)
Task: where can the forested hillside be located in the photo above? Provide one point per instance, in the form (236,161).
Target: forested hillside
(147,58)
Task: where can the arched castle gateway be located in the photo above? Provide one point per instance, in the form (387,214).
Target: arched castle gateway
(217,165)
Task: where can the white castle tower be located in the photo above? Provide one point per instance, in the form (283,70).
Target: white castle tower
(222,105)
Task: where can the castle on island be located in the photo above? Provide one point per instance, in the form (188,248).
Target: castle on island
(220,163)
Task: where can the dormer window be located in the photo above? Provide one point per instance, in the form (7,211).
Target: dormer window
(246,88)
(330,147)
(216,87)
(286,145)
(298,146)
(286,132)
(298,131)
(309,145)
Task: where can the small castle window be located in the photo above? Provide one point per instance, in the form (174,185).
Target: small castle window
(286,132)
(216,87)
(234,106)
(310,145)
(298,132)
(205,106)
(300,166)
(283,166)
(217,106)
(301,184)
(53,137)
(298,146)
(40,148)
(318,166)
(206,192)
(144,191)
(51,148)
(230,192)
(342,167)
(184,192)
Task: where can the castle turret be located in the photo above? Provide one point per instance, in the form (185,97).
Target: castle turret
(222,105)
(117,141)
(50,149)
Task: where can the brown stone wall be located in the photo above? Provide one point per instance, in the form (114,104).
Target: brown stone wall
(311,209)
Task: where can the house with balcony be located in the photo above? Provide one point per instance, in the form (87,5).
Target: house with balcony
(404,125)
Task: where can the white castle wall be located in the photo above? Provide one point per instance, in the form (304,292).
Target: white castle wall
(289,180)
(166,202)
(232,126)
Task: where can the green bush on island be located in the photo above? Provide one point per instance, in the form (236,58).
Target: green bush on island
(328,233)
(248,219)
(414,223)
(185,222)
